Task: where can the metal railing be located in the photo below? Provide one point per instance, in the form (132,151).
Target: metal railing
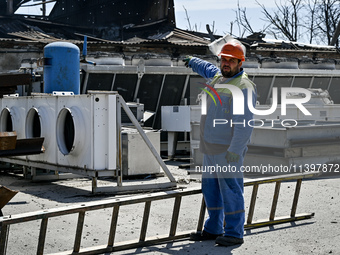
(147,199)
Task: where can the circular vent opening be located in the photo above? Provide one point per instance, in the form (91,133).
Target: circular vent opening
(6,122)
(33,124)
(65,131)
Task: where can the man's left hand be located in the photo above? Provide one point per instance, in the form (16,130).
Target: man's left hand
(232,157)
(187,60)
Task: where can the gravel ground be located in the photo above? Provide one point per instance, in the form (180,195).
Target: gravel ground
(318,235)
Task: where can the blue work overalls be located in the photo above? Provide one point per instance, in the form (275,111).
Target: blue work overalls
(222,182)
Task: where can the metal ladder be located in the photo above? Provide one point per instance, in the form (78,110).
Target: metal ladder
(272,218)
(147,199)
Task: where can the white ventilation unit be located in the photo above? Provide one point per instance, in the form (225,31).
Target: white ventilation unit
(82,135)
(86,131)
(80,131)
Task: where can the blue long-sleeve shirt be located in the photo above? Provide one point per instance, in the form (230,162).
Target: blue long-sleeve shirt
(221,129)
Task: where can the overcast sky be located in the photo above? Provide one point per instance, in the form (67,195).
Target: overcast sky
(202,12)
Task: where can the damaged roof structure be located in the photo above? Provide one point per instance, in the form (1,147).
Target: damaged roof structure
(128,27)
(133,30)
(113,26)
(145,29)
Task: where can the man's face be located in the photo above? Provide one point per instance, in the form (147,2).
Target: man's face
(230,66)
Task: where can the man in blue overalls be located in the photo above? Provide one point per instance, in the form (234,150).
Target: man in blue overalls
(223,141)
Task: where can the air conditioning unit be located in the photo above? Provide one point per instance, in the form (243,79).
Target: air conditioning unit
(86,131)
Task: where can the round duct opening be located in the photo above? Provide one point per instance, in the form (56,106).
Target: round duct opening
(65,131)
(33,124)
(70,131)
(6,122)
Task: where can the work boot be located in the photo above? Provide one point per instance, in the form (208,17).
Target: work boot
(228,240)
(202,236)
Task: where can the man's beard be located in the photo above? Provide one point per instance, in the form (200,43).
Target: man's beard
(229,73)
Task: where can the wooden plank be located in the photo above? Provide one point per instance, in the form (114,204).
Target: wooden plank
(8,140)
(6,195)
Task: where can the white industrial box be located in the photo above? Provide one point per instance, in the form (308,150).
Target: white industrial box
(86,131)
(137,158)
(176,118)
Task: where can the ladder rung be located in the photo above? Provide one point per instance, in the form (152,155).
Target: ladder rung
(79,231)
(113,225)
(296,197)
(275,199)
(201,216)
(278,220)
(175,214)
(3,238)
(42,236)
(252,203)
(145,221)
